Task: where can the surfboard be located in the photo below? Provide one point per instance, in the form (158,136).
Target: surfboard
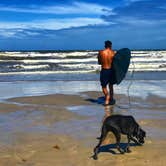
(120,65)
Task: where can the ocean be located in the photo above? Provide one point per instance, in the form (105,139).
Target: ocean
(75,65)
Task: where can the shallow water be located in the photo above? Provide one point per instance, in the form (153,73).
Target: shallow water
(50,76)
(98,113)
(27,88)
(88,127)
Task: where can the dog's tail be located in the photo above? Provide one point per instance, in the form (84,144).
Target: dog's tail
(103,132)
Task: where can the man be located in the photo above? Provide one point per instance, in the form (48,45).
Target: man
(105,58)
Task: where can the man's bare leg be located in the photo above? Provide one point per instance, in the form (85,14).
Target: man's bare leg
(107,96)
(111,91)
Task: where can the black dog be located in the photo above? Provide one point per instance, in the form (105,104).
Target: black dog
(121,124)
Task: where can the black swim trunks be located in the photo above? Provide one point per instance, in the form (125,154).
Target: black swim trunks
(106,76)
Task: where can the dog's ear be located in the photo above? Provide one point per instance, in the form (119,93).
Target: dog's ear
(144,133)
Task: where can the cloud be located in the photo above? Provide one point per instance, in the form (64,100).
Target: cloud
(144,11)
(88,37)
(18,33)
(6,34)
(53,24)
(11,29)
(133,23)
(77,14)
(130,1)
(74,8)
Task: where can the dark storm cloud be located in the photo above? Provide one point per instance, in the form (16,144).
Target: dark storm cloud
(150,10)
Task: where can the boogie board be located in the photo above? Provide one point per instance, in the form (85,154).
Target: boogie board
(120,65)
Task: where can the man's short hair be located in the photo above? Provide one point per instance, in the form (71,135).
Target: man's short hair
(108,44)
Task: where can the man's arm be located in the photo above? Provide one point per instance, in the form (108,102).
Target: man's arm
(99,58)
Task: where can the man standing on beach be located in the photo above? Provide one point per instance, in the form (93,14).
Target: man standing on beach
(105,58)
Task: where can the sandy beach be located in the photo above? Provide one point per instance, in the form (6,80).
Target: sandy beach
(61,130)
(57,58)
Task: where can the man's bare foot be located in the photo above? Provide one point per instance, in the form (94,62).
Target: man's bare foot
(112,101)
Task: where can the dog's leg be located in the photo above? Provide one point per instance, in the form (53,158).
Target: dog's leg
(102,137)
(135,141)
(128,145)
(118,137)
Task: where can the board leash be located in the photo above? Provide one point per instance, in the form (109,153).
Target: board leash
(128,90)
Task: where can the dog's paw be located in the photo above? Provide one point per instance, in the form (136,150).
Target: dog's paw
(122,152)
(139,144)
(95,157)
(127,150)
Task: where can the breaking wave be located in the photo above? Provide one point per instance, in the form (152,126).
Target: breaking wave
(74,62)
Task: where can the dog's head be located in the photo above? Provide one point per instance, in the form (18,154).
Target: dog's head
(140,135)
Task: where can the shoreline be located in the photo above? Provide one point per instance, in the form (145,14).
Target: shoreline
(44,76)
(136,88)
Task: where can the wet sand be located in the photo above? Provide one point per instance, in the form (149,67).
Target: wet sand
(61,130)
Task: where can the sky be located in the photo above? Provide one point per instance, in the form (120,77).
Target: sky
(82,25)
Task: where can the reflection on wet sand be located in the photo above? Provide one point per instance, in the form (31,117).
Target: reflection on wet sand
(108,111)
